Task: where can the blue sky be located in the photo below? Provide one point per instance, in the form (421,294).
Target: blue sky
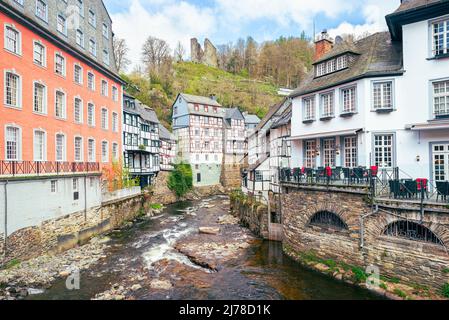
(223,21)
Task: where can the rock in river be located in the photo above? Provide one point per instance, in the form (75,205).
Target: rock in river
(209,230)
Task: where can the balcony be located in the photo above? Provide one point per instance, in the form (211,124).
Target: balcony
(385,185)
(44,168)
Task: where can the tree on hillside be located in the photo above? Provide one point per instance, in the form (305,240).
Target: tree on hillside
(121,54)
(155,54)
(180,52)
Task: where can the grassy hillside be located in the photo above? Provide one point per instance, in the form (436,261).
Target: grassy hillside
(231,90)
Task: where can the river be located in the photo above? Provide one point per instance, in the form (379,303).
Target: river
(143,256)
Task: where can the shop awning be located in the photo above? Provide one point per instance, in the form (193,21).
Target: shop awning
(431,125)
(326,134)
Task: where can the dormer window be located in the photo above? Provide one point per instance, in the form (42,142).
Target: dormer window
(332,65)
(440,31)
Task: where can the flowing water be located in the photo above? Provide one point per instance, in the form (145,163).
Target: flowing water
(262,271)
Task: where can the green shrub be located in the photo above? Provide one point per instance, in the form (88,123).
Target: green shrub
(359,274)
(400,293)
(445,290)
(383,286)
(180,180)
(446,270)
(11,264)
(156,206)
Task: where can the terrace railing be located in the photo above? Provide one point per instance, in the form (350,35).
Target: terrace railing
(31,168)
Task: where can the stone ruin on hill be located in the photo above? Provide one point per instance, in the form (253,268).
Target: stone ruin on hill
(208,56)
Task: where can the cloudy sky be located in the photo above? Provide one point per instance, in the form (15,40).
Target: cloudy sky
(223,21)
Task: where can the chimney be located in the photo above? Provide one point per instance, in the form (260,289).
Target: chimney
(323,45)
(213,97)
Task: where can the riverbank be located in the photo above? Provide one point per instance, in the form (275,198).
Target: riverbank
(190,250)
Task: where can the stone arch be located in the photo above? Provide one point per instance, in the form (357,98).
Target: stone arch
(412,230)
(329,220)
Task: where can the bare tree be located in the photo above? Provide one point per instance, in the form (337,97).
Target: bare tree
(121,54)
(155,53)
(180,52)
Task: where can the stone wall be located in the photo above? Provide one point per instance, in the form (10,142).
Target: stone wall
(252,214)
(160,191)
(231,176)
(58,235)
(413,262)
(208,56)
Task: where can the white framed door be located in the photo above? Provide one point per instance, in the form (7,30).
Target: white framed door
(440,158)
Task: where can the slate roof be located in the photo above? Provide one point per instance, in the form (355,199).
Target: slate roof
(379,56)
(415,4)
(251,119)
(200,100)
(339,49)
(164,134)
(234,113)
(143,111)
(271,112)
(284,119)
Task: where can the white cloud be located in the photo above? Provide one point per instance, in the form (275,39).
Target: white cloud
(174,21)
(179,20)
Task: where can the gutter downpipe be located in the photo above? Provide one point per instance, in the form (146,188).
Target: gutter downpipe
(6,219)
(362,225)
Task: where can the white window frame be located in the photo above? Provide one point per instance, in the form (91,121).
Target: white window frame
(444,96)
(81,148)
(104,90)
(18,143)
(444,34)
(383,107)
(91,157)
(64,31)
(115,122)
(44,98)
(64,106)
(105,121)
(64,64)
(44,146)
(91,123)
(327,101)
(105,157)
(64,147)
(19,89)
(306,107)
(81,74)
(44,53)
(81,110)
(352,97)
(383,146)
(46,10)
(92,88)
(115,153)
(19,39)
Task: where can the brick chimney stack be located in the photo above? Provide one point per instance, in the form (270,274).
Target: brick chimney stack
(323,44)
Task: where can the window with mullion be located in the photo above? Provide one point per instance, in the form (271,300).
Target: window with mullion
(383,151)
(329,152)
(349,100)
(441,98)
(383,95)
(350,152)
(440,31)
(309,108)
(327,105)
(310,154)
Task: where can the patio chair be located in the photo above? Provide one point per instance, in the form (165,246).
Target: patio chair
(359,174)
(336,174)
(395,188)
(411,189)
(346,174)
(443,190)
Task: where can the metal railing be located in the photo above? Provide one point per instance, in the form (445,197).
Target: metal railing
(381,183)
(23,168)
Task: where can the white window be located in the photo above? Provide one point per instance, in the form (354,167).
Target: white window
(104,88)
(78,149)
(91,81)
(91,114)
(114,122)
(75,184)
(342,62)
(39,54)
(54,186)
(39,145)
(310,154)
(78,110)
(41,9)
(61,24)
(104,118)
(309,108)
(348,96)
(13,40)
(60,104)
(114,93)
(13,143)
(92,47)
(104,152)
(320,69)
(440,31)
(115,152)
(106,57)
(441,99)
(92,18)
(383,95)
(330,66)
(13,90)
(78,74)
(105,31)
(91,150)
(59,65)
(60,147)
(327,105)
(383,151)
(80,4)
(350,152)
(40,98)
(80,38)
(329,152)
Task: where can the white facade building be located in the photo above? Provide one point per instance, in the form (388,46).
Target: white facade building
(381,101)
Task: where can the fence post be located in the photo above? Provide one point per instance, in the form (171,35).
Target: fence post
(422,201)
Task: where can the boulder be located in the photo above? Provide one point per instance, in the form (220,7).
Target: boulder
(209,230)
